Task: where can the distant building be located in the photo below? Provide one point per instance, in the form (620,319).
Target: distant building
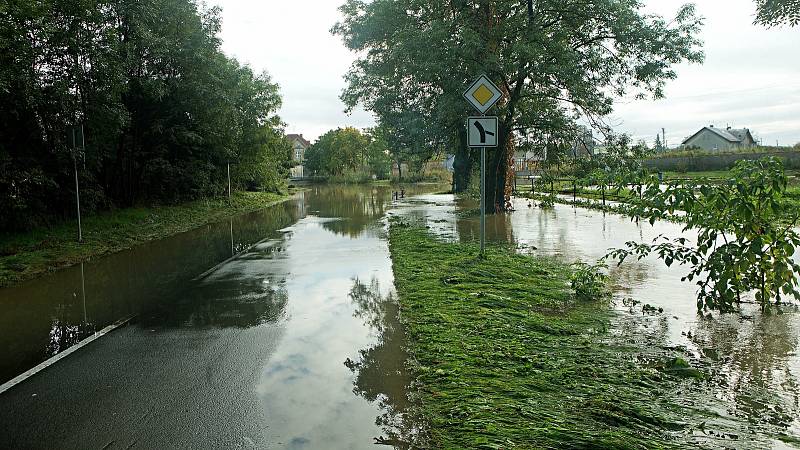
(299,147)
(712,138)
(529,161)
(449,163)
(583,145)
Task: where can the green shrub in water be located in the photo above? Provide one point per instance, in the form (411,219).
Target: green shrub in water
(589,281)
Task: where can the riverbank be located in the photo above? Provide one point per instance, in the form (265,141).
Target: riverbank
(505,357)
(24,256)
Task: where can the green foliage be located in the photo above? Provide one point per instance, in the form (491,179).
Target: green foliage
(26,255)
(589,281)
(503,358)
(556,62)
(162,108)
(337,151)
(692,151)
(348,155)
(658,146)
(778,12)
(744,240)
(619,165)
(547,201)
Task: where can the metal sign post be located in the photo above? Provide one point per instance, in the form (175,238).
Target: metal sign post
(482,132)
(483,200)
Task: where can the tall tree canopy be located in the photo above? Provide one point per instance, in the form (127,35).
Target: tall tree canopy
(349,151)
(162,108)
(554,60)
(778,12)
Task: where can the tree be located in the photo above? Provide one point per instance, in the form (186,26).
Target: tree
(745,238)
(162,108)
(774,13)
(659,146)
(338,152)
(378,160)
(553,61)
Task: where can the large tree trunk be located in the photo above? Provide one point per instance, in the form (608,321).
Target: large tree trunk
(462,165)
(498,172)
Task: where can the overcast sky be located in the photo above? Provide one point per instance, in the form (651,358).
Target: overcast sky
(751,76)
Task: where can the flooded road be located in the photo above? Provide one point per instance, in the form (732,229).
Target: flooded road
(277,329)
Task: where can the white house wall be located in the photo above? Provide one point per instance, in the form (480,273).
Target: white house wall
(708,140)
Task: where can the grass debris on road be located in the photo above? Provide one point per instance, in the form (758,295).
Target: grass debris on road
(503,355)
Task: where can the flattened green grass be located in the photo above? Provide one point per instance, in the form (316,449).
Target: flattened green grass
(504,358)
(28,255)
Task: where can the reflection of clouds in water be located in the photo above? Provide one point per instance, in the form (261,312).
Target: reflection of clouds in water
(305,390)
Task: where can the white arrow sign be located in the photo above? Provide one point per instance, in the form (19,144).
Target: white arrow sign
(482,131)
(483,94)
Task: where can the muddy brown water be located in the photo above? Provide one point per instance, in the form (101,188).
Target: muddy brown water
(299,298)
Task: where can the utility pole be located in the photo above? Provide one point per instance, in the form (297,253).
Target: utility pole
(664,138)
(77,187)
(229,182)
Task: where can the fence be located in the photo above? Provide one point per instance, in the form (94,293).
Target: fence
(791,160)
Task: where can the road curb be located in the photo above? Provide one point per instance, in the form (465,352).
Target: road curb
(45,364)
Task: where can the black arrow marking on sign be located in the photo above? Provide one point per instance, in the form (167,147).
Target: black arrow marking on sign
(482,131)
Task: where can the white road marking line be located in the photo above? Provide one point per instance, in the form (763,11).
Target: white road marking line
(31,372)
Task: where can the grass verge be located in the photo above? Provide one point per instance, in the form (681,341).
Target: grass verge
(504,357)
(27,255)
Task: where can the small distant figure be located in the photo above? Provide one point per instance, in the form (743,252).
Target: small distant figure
(402,193)
(660,176)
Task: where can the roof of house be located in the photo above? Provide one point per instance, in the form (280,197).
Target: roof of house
(729,134)
(300,138)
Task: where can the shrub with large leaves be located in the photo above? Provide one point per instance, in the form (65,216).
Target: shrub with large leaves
(745,235)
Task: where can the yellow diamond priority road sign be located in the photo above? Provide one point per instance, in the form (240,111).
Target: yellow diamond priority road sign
(483,94)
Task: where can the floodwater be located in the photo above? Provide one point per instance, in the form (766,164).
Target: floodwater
(275,329)
(280,329)
(752,396)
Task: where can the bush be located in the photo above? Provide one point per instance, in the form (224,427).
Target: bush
(745,235)
(589,282)
(548,202)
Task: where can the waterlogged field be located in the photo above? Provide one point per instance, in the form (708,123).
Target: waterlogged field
(507,359)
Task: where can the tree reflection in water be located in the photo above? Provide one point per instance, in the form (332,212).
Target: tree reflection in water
(66,332)
(358,208)
(232,296)
(381,374)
